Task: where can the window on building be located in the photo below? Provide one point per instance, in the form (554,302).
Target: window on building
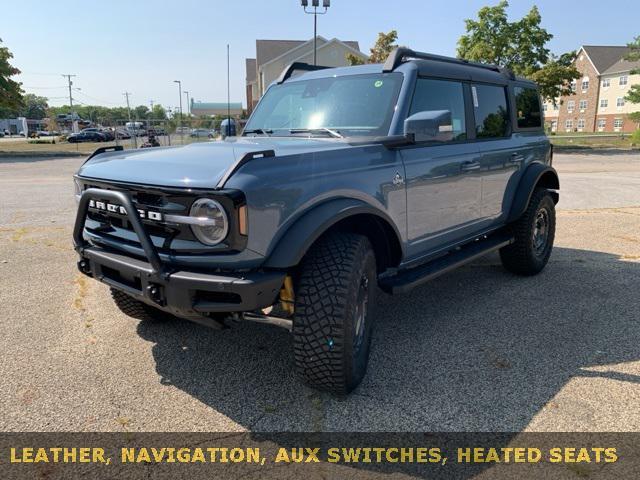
(568,124)
(618,123)
(528,107)
(620,102)
(545,107)
(491,114)
(624,79)
(581,124)
(583,104)
(554,125)
(606,83)
(585,84)
(574,85)
(602,123)
(432,95)
(571,105)
(556,107)
(604,103)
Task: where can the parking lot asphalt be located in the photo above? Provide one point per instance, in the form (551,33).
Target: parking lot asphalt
(476,349)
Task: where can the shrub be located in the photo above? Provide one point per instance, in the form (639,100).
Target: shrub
(635,138)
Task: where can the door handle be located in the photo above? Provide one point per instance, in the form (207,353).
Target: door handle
(470,165)
(516,158)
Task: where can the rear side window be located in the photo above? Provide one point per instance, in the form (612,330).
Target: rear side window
(490,109)
(528,107)
(433,95)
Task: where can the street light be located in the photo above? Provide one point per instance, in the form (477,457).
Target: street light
(180,97)
(315,4)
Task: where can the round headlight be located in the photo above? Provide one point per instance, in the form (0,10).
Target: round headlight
(210,224)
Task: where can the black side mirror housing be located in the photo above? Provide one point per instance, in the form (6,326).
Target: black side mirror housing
(429,126)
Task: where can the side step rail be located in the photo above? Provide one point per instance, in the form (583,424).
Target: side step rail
(408,279)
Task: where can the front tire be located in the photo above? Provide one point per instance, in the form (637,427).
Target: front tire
(534,233)
(137,309)
(334,312)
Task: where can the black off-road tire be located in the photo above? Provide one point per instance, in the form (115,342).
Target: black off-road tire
(137,309)
(337,283)
(529,254)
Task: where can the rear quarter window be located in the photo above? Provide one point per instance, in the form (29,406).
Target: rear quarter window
(528,110)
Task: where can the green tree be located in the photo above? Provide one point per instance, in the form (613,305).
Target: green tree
(385,44)
(10,90)
(158,113)
(634,92)
(141,112)
(34,107)
(520,46)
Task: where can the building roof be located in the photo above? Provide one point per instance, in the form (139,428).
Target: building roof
(267,50)
(622,66)
(215,106)
(250,64)
(604,57)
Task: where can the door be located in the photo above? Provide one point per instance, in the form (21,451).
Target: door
(443,179)
(501,156)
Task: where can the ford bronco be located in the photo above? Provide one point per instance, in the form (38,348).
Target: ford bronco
(344,182)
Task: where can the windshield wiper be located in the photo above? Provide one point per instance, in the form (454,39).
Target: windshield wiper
(330,132)
(258,131)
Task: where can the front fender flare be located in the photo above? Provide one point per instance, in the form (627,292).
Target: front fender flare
(293,244)
(535,174)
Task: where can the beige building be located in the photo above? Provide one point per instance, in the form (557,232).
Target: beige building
(598,101)
(272,56)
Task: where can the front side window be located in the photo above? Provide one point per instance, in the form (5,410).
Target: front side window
(437,95)
(528,107)
(353,105)
(490,109)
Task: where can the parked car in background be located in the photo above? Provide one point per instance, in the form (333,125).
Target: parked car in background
(122,134)
(202,133)
(109,135)
(157,131)
(136,128)
(85,136)
(182,130)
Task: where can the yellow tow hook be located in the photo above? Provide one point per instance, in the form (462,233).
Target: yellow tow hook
(287,297)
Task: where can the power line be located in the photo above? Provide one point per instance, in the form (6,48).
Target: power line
(68,77)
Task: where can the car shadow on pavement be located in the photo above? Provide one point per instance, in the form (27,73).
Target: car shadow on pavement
(476,350)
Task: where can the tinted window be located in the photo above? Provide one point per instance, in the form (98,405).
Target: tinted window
(491,114)
(528,107)
(433,95)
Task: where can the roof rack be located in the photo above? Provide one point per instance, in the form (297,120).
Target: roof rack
(401,54)
(297,66)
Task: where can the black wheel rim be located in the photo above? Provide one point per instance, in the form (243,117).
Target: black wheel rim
(361,314)
(541,231)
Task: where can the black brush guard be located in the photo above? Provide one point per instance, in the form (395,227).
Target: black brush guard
(185,293)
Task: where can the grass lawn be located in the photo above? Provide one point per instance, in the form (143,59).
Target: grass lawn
(591,141)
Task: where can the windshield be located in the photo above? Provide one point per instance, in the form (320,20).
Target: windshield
(353,105)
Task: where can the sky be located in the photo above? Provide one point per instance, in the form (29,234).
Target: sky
(143,46)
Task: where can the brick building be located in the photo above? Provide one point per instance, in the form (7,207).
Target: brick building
(597,103)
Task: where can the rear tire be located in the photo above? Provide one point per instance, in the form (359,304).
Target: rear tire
(534,233)
(137,309)
(334,312)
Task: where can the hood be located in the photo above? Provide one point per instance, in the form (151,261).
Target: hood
(198,165)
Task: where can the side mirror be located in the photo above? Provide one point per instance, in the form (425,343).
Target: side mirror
(429,126)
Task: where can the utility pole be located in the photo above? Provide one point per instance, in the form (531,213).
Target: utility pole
(150,115)
(228,132)
(134,132)
(68,77)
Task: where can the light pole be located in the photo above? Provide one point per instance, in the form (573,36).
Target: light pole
(315,4)
(180,97)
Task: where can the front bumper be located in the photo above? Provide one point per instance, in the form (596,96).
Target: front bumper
(188,294)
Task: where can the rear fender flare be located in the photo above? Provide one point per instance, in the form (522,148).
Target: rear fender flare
(536,174)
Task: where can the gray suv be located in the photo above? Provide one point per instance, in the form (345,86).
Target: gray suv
(344,182)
